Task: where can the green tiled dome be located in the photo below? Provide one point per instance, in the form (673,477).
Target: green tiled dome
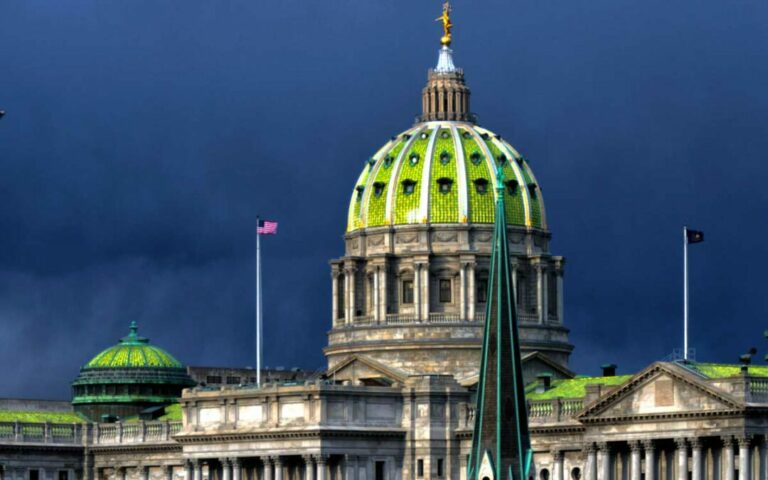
(134,351)
(444,172)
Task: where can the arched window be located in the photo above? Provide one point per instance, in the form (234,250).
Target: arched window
(544,474)
(475,157)
(409,186)
(378,188)
(481,186)
(575,473)
(340,296)
(511,186)
(444,185)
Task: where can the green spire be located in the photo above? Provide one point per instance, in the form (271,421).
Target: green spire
(501,445)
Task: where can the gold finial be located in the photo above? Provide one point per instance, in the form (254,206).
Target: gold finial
(447,25)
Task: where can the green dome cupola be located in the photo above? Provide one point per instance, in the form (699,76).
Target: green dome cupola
(127,378)
(440,172)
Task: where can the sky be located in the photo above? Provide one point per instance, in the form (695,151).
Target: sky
(143,137)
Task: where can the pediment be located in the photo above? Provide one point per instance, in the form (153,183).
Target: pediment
(534,363)
(359,369)
(661,389)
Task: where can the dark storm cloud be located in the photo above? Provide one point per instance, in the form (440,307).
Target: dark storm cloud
(143,137)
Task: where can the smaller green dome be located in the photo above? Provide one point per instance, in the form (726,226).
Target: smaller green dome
(134,351)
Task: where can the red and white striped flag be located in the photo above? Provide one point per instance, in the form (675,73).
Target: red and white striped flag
(265,227)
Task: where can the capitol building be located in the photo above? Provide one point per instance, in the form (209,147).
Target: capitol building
(397,398)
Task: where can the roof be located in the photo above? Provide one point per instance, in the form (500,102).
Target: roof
(572,387)
(37,416)
(444,172)
(724,370)
(133,351)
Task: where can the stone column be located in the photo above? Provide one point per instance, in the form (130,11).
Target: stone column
(277,467)
(417,291)
(425,295)
(375,293)
(463,290)
(226,472)
(143,472)
(650,460)
(236,468)
(335,297)
(763,459)
(697,466)
(383,292)
(635,460)
(309,467)
(514,265)
(557,465)
(727,459)
(269,469)
(347,319)
(560,309)
(541,292)
(745,458)
(682,459)
(352,305)
(472,289)
(603,462)
(590,464)
(321,461)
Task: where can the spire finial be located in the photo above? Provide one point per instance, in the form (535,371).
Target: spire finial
(447,25)
(133,328)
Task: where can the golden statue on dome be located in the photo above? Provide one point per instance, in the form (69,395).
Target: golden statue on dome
(447,25)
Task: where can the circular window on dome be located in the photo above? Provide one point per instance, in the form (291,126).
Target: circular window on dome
(481,186)
(466,134)
(520,160)
(485,136)
(475,158)
(378,188)
(445,134)
(445,157)
(511,186)
(409,186)
(424,135)
(444,185)
(388,161)
(414,158)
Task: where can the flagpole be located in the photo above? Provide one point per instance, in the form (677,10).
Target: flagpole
(258,305)
(685,293)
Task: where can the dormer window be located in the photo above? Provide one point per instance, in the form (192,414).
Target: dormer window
(485,136)
(406,136)
(511,186)
(424,135)
(378,188)
(360,189)
(502,159)
(414,158)
(481,186)
(445,134)
(445,157)
(371,161)
(520,160)
(388,161)
(532,187)
(466,134)
(409,186)
(475,157)
(444,185)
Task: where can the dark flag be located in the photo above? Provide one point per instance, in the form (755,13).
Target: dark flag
(694,236)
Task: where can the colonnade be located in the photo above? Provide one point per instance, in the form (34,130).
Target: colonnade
(298,467)
(372,304)
(699,458)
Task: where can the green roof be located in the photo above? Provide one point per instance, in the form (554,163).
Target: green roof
(572,387)
(723,370)
(444,172)
(133,351)
(39,416)
(172,413)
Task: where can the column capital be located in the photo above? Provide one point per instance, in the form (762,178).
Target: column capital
(589,448)
(681,443)
(224,460)
(695,442)
(649,445)
(320,459)
(635,445)
(557,455)
(603,446)
(727,441)
(308,458)
(277,460)
(235,461)
(744,440)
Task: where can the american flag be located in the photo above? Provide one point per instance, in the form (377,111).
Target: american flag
(265,227)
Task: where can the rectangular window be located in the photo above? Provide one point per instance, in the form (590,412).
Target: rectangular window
(439,467)
(340,300)
(63,474)
(34,474)
(445,290)
(407,291)
(213,379)
(419,468)
(380,470)
(482,290)
(233,380)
